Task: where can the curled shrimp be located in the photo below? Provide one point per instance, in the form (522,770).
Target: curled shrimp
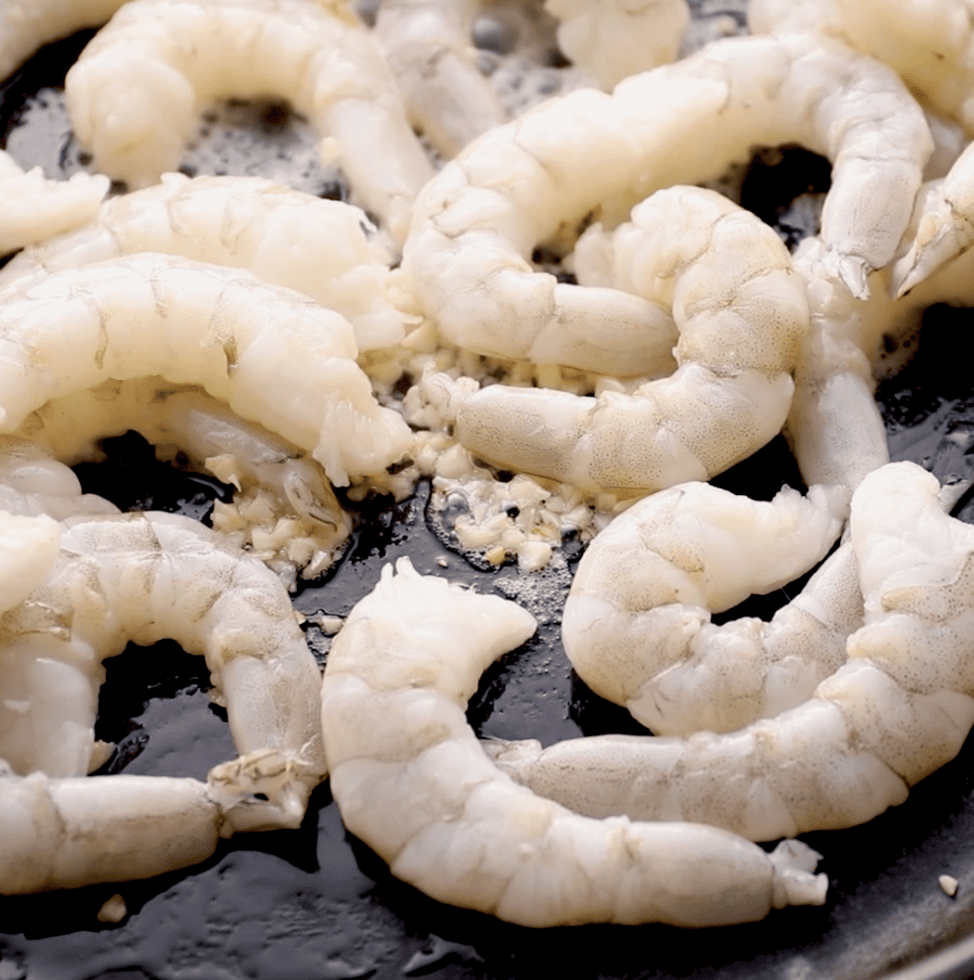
(412,781)
(637,627)
(34,208)
(274,356)
(137,89)
(542,176)
(896,710)
(141,578)
(612,39)
(285,511)
(427,45)
(741,313)
(285,237)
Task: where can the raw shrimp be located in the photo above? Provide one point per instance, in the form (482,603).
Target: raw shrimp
(637,624)
(32,484)
(65,833)
(321,248)
(26,25)
(285,510)
(899,708)
(412,781)
(427,45)
(136,91)
(141,578)
(611,39)
(741,313)
(930,44)
(274,356)
(543,176)
(34,208)
(945,226)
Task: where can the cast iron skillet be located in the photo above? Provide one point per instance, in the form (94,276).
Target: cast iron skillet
(315,903)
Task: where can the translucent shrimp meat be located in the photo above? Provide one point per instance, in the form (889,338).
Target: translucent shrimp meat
(637,628)
(319,247)
(136,91)
(274,356)
(944,226)
(612,39)
(284,509)
(69,832)
(412,781)
(540,178)
(899,708)
(427,45)
(141,578)
(34,208)
(33,484)
(741,313)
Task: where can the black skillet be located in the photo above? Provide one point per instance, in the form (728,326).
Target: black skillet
(315,903)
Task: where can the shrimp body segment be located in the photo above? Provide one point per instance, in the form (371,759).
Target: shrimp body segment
(541,177)
(741,313)
(65,833)
(274,356)
(34,208)
(611,39)
(427,45)
(412,781)
(637,624)
(136,91)
(283,236)
(899,707)
(141,578)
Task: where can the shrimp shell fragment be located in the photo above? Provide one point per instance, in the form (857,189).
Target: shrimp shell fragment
(741,313)
(411,780)
(145,577)
(898,709)
(136,91)
(274,356)
(283,236)
(637,628)
(541,177)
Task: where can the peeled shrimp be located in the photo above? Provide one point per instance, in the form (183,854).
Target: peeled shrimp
(136,91)
(285,510)
(945,226)
(412,781)
(285,237)
(141,578)
(930,44)
(35,208)
(898,709)
(427,45)
(541,177)
(637,624)
(741,313)
(65,833)
(611,39)
(274,356)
